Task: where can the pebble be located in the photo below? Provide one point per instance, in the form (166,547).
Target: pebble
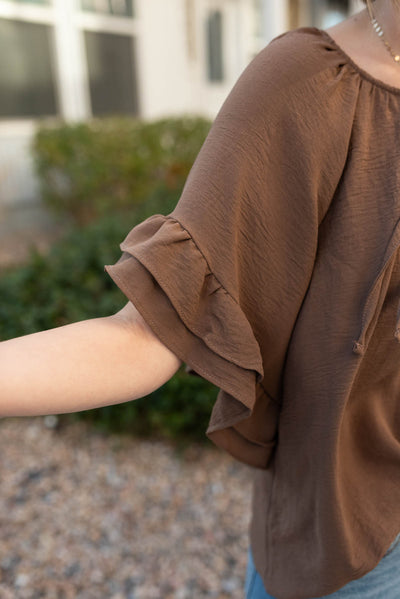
(22,580)
(85,515)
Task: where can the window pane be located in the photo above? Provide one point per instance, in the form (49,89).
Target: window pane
(112,77)
(214,46)
(122,8)
(27,87)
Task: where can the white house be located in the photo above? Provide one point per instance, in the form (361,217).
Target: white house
(73,59)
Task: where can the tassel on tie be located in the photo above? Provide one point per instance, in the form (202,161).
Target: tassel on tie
(358,348)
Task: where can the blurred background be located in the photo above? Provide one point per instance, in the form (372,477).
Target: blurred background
(75,59)
(104,105)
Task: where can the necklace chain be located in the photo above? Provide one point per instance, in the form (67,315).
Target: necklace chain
(379,31)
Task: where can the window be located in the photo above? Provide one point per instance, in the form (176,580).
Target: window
(27,82)
(121,8)
(112,78)
(214,46)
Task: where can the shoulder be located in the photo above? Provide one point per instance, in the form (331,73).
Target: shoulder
(293,80)
(293,58)
(297,72)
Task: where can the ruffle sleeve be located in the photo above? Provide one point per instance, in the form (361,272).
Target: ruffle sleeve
(179,296)
(168,279)
(221,279)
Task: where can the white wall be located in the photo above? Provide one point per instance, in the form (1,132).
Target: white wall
(173,80)
(274,18)
(162,64)
(171,66)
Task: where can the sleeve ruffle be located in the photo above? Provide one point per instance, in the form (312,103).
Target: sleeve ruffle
(166,276)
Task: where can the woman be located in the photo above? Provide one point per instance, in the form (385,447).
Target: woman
(277,278)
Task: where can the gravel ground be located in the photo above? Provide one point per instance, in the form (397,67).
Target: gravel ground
(84,515)
(89,516)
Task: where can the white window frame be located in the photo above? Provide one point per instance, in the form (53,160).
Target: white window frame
(32,13)
(68,22)
(102,23)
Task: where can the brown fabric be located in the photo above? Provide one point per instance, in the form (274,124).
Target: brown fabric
(277,278)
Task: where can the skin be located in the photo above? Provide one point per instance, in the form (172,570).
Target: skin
(118,358)
(84,365)
(360,41)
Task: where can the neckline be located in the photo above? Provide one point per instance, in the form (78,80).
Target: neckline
(362,72)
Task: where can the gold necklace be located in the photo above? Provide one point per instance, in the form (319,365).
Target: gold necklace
(379,31)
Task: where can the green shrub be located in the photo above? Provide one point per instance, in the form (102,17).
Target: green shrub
(69,284)
(116,163)
(178,411)
(66,285)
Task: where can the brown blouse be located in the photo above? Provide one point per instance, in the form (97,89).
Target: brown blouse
(277,278)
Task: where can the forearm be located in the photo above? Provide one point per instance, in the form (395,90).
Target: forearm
(80,366)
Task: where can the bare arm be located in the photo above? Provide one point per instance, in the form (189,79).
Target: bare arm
(83,365)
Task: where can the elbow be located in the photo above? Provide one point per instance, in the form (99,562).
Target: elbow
(131,319)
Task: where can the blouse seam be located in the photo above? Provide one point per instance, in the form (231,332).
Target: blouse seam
(362,73)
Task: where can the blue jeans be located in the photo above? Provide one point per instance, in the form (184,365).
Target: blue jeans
(381,582)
